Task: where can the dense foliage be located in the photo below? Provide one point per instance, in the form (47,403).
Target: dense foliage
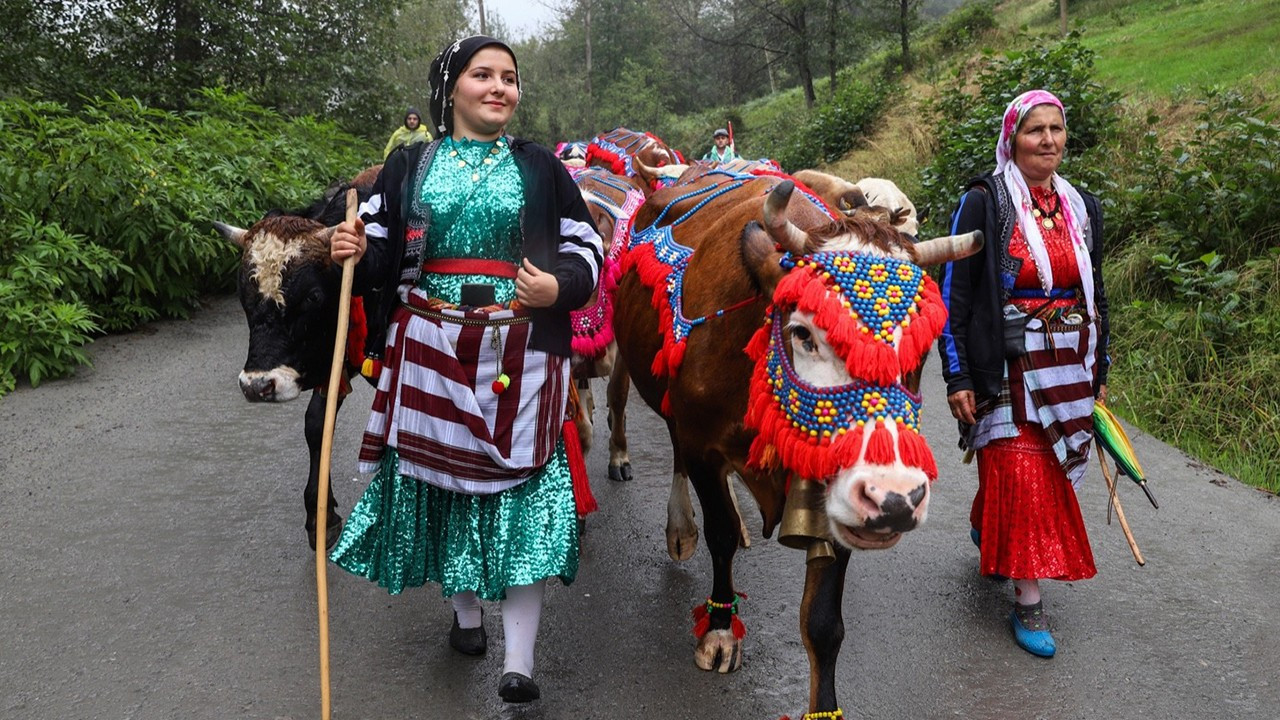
(357,61)
(969,122)
(107,211)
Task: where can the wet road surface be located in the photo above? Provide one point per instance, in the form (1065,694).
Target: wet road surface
(154,566)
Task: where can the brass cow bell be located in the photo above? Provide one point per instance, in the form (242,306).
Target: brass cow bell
(804,522)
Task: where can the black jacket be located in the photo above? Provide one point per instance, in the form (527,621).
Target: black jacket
(551,225)
(976,289)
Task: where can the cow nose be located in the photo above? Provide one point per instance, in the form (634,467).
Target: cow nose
(889,509)
(259,389)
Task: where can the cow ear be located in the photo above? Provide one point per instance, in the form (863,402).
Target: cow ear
(232,233)
(760,256)
(852,199)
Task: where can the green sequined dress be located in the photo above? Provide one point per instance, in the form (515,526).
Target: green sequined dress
(403,532)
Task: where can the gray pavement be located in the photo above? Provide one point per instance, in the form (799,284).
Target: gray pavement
(154,566)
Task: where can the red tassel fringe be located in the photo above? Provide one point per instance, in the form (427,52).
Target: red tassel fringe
(583,500)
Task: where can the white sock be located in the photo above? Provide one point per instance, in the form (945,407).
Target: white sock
(1026,592)
(521,612)
(467,605)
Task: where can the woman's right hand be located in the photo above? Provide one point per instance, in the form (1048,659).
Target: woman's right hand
(963,406)
(348,240)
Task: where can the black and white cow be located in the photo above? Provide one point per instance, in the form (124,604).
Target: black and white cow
(289,289)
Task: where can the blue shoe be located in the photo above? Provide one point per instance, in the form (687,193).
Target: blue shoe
(1031,630)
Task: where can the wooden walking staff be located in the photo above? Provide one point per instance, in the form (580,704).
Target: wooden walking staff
(326,451)
(1114,499)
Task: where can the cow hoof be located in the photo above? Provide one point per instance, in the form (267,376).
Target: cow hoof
(620,473)
(681,546)
(331,533)
(719,650)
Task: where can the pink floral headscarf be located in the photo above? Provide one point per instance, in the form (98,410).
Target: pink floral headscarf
(1073,209)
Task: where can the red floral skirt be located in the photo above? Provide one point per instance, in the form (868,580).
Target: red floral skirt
(1027,512)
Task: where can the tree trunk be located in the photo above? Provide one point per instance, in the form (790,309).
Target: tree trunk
(484,27)
(590,103)
(831,46)
(801,54)
(905,27)
(1062,17)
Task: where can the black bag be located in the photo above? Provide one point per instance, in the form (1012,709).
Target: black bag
(1015,331)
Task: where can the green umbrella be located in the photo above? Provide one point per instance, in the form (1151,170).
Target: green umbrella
(1115,441)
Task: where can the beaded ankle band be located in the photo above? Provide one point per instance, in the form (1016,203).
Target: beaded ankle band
(836,714)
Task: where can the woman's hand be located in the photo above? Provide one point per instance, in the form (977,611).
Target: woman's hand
(963,406)
(1101,397)
(348,240)
(535,288)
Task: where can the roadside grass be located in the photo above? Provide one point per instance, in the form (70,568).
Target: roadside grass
(1161,48)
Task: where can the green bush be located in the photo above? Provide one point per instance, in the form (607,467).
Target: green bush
(1214,194)
(969,124)
(108,211)
(836,126)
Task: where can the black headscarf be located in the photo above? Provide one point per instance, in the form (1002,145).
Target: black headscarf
(444,73)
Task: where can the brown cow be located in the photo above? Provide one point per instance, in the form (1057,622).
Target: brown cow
(619,148)
(612,200)
(809,343)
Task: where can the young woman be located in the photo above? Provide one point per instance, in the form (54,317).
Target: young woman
(473,249)
(1025,355)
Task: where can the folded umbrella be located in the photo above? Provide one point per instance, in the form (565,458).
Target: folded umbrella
(1112,437)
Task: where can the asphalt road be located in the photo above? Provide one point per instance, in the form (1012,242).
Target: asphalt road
(154,566)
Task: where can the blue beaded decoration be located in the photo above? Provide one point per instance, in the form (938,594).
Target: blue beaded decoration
(880,292)
(825,413)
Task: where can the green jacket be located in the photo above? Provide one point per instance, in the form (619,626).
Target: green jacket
(405,136)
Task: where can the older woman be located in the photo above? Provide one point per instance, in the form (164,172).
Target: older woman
(471,253)
(1025,356)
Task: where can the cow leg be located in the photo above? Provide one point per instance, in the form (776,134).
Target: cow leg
(619,387)
(584,420)
(822,628)
(744,537)
(313,427)
(720,649)
(682,530)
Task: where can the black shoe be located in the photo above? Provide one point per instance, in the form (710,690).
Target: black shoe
(516,688)
(471,641)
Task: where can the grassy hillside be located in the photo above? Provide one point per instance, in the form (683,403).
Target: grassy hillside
(1159,48)
(1195,347)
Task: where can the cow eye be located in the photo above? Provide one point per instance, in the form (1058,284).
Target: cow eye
(801,333)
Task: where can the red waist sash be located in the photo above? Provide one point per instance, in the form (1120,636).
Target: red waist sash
(469,266)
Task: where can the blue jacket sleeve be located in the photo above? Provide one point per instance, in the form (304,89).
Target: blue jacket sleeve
(958,281)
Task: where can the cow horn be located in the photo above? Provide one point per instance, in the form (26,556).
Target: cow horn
(783,231)
(326,235)
(948,248)
(638,165)
(231,232)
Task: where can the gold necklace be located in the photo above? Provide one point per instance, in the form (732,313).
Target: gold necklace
(489,159)
(1044,216)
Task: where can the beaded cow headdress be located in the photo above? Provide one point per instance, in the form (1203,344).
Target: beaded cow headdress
(880,315)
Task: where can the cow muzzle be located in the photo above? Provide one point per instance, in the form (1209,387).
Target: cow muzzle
(870,511)
(277,385)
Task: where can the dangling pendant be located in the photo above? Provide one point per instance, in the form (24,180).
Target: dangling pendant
(475,177)
(501,384)
(1047,223)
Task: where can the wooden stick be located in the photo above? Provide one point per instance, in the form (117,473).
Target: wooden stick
(326,451)
(1115,502)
